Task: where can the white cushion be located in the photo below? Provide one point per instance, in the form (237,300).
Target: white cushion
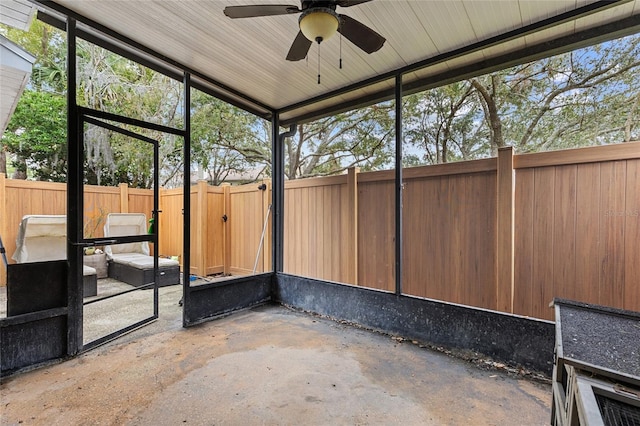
(88,270)
(141,261)
(126,224)
(41,238)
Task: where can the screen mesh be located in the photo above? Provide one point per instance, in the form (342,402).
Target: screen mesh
(616,413)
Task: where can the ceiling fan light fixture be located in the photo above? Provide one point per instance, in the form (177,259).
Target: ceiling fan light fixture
(319,24)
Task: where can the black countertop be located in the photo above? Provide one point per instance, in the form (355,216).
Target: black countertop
(599,339)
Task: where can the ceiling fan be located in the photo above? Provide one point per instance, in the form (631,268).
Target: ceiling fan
(318,21)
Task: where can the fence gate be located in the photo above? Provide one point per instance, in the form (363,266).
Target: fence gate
(249,228)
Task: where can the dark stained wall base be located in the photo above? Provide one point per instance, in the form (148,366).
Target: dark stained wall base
(35,330)
(33,341)
(507,338)
(210,301)
(34,338)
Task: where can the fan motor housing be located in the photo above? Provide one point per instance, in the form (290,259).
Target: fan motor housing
(313,4)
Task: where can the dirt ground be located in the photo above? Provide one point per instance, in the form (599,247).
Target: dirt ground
(268,366)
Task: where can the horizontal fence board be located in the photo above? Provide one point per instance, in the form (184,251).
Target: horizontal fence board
(312,182)
(592,154)
(29,184)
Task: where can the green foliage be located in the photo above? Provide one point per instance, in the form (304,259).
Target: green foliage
(590,96)
(36,135)
(48,45)
(331,145)
(109,82)
(586,97)
(224,138)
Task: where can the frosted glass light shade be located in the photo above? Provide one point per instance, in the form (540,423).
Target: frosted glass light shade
(319,24)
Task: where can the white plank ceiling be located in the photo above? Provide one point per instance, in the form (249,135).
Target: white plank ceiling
(17,13)
(248,55)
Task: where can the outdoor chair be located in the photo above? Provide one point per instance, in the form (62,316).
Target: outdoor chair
(131,262)
(43,238)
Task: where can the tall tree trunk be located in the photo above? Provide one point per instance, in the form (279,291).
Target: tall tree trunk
(631,119)
(19,173)
(497,140)
(3,161)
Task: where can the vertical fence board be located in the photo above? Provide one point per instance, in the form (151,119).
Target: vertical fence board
(140,201)
(350,199)
(376,229)
(171,227)
(297,240)
(453,276)
(481,244)
(419,213)
(543,214)
(524,242)
(124,198)
(214,244)
(227,229)
(564,230)
(588,217)
(335,234)
(327,233)
(632,237)
(346,252)
(193,228)
(266,244)
(311,234)
(612,199)
(302,225)
(505,230)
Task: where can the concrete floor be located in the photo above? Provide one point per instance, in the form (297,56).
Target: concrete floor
(270,366)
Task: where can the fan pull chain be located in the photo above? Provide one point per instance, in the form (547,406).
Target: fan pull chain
(318,63)
(340,50)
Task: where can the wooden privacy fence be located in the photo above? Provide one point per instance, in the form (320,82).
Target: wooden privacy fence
(507,233)
(212,251)
(19,198)
(226,227)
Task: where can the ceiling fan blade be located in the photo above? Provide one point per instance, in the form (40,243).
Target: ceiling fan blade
(252,11)
(299,48)
(360,35)
(349,3)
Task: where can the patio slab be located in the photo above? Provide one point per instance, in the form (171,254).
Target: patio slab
(268,365)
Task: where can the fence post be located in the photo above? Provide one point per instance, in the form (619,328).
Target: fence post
(200,240)
(505,227)
(266,243)
(3,223)
(226,234)
(352,189)
(124,198)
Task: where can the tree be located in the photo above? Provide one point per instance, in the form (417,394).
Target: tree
(109,82)
(590,96)
(48,45)
(445,122)
(332,145)
(36,134)
(48,75)
(223,139)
